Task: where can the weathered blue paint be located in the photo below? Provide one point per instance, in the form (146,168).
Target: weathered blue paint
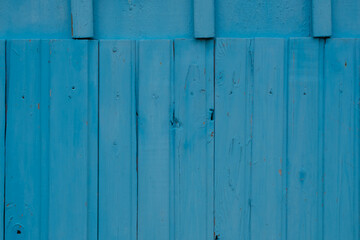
(204,18)
(82,19)
(341,192)
(287,138)
(304,160)
(321,18)
(52,140)
(2,135)
(175,19)
(194,139)
(71,64)
(232,138)
(23,140)
(155,156)
(268,162)
(182,139)
(117,141)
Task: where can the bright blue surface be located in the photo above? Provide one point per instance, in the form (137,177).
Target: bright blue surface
(117,140)
(82,22)
(175,19)
(155,158)
(204,18)
(196,139)
(163,136)
(321,18)
(2,134)
(51,168)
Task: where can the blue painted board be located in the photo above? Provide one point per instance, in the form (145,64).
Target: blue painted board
(204,18)
(51,173)
(44,123)
(357,138)
(136,19)
(35,19)
(194,138)
(304,192)
(345,18)
(23,140)
(117,141)
(268,163)
(2,134)
(341,215)
(154,108)
(321,18)
(92,57)
(70,165)
(232,138)
(82,19)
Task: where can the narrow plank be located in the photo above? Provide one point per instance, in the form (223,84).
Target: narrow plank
(357,139)
(268,170)
(303,173)
(82,19)
(154,139)
(23,141)
(194,138)
(44,123)
(204,18)
(232,140)
(339,141)
(93,138)
(2,135)
(69,161)
(117,141)
(321,18)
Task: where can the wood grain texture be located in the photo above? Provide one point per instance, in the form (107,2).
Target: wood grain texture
(232,138)
(194,139)
(154,139)
(340,175)
(204,18)
(321,18)
(82,19)
(71,162)
(45,130)
(268,168)
(51,173)
(23,141)
(304,159)
(117,159)
(2,134)
(92,138)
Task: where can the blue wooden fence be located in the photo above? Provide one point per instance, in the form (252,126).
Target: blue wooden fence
(180,139)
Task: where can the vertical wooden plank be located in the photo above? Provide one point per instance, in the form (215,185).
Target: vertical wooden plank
(232,140)
(93,138)
(69,161)
(321,18)
(357,139)
(82,19)
(117,159)
(339,141)
(154,139)
(44,122)
(204,18)
(268,172)
(23,141)
(304,193)
(2,135)
(194,145)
